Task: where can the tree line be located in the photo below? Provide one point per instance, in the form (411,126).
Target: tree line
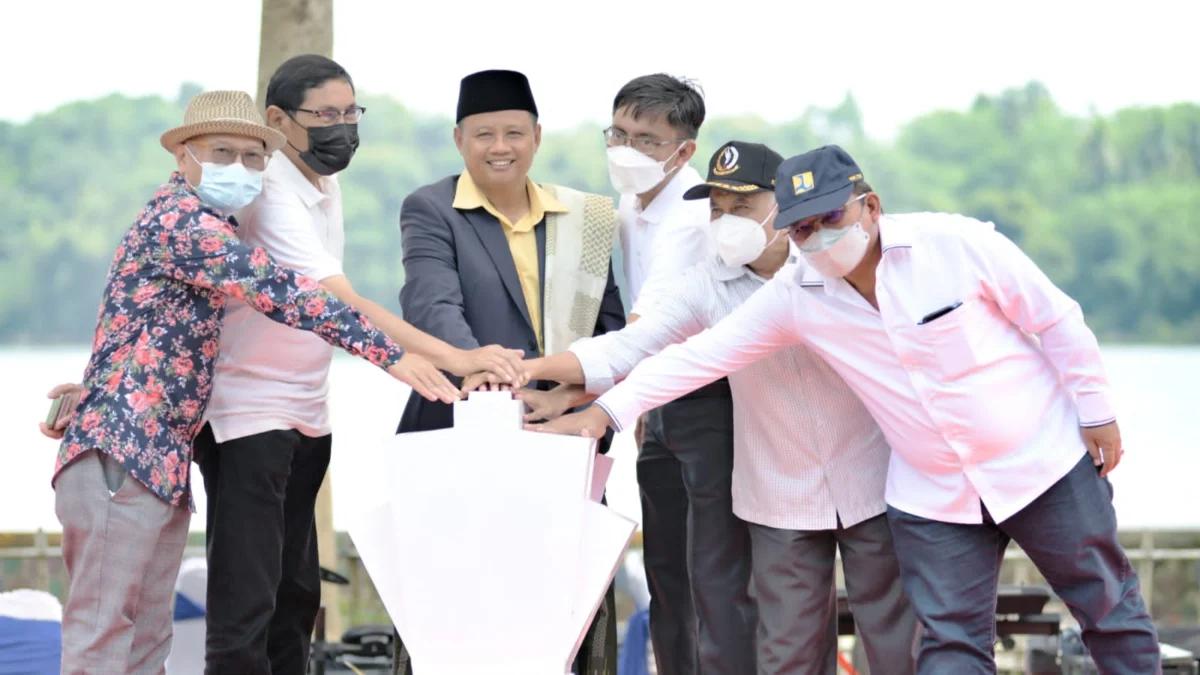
(1104,204)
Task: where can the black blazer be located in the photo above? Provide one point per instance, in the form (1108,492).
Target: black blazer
(461,286)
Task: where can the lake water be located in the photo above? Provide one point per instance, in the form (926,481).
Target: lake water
(1157,484)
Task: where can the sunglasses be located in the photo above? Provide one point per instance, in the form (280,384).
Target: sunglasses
(801,229)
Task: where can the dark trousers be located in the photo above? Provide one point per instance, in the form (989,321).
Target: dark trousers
(264,584)
(950,573)
(696,552)
(796,591)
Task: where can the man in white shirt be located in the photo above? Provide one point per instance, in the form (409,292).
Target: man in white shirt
(696,551)
(266,443)
(809,463)
(995,436)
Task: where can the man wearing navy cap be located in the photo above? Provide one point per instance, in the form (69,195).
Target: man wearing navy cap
(480,250)
(802,463)
(995,437)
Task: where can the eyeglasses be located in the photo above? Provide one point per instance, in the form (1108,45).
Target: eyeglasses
(224,155)
(800,230)
(352,114)
(643,144)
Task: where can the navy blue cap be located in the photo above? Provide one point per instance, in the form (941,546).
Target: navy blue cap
(739,167)
(818,181)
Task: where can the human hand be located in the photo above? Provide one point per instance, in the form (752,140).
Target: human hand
(639,431)
(497,363)
(71,393)
(424,377)
(1104,445)
(589,423)
(547,405)
(482,382)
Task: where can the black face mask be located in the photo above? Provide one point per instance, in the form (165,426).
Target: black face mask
(330,148)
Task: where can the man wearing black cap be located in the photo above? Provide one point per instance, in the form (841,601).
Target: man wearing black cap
(490,257)
(808,464)
(995,437)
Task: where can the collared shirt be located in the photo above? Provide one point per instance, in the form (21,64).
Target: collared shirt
(664,240)
(973,407)
(806,451)
(269,376)
(149,377)
(522,240)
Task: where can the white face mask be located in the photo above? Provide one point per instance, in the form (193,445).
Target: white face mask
(633,173)
(227,187)
(741,240)
(835,253)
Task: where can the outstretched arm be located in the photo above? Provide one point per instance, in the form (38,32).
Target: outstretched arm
(202,250)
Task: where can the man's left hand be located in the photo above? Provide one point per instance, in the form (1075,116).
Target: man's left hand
(1104,445)
(590,423)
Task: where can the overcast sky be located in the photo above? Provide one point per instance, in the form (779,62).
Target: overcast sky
(900,58)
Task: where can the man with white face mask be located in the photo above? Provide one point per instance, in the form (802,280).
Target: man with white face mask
(682,465)
(122,481)
(809,463)
(995,437)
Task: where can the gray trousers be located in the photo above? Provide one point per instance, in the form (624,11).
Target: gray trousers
(696,552)
(122,547)
(951,572)
(795,586)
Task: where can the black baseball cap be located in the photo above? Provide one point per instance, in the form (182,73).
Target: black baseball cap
(818,181)
(739,167)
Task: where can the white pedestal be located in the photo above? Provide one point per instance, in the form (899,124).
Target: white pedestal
(488,552)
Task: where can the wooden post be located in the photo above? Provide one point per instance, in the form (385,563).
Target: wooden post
(290,28)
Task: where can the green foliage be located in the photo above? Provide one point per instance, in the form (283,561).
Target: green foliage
(1105,204)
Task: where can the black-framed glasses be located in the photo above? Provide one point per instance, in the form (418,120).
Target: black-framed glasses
(352,114)
(644,144)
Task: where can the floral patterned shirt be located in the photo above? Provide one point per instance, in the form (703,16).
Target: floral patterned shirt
(149,377)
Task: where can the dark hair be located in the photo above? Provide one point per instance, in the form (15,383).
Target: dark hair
(680,100)
(292,80)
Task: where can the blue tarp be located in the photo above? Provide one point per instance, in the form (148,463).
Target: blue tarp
(30,647)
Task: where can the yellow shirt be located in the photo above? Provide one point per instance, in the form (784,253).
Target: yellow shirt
(522,241)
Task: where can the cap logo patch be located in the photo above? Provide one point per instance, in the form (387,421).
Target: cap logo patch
(727,161)
(857,176)
(802,182)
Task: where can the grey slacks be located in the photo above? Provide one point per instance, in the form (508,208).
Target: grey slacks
(697,553)
(122,547)
(795,586)
(951,572)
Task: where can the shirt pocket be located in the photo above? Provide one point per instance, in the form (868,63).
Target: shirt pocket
(962,341)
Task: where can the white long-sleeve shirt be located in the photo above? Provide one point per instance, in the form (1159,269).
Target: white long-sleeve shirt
(973,408)
(806,451)
(663,240)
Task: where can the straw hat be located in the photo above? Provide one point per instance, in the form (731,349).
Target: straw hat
(223,112)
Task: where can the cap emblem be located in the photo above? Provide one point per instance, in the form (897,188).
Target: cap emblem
(727,162)
(803,182)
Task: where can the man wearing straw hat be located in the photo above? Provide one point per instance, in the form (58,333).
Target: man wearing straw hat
(122,478)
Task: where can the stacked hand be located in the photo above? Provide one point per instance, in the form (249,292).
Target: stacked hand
(419,373)
(590,423)
(492,364)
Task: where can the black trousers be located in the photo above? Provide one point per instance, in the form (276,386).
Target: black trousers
(696,552)
(264,583)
